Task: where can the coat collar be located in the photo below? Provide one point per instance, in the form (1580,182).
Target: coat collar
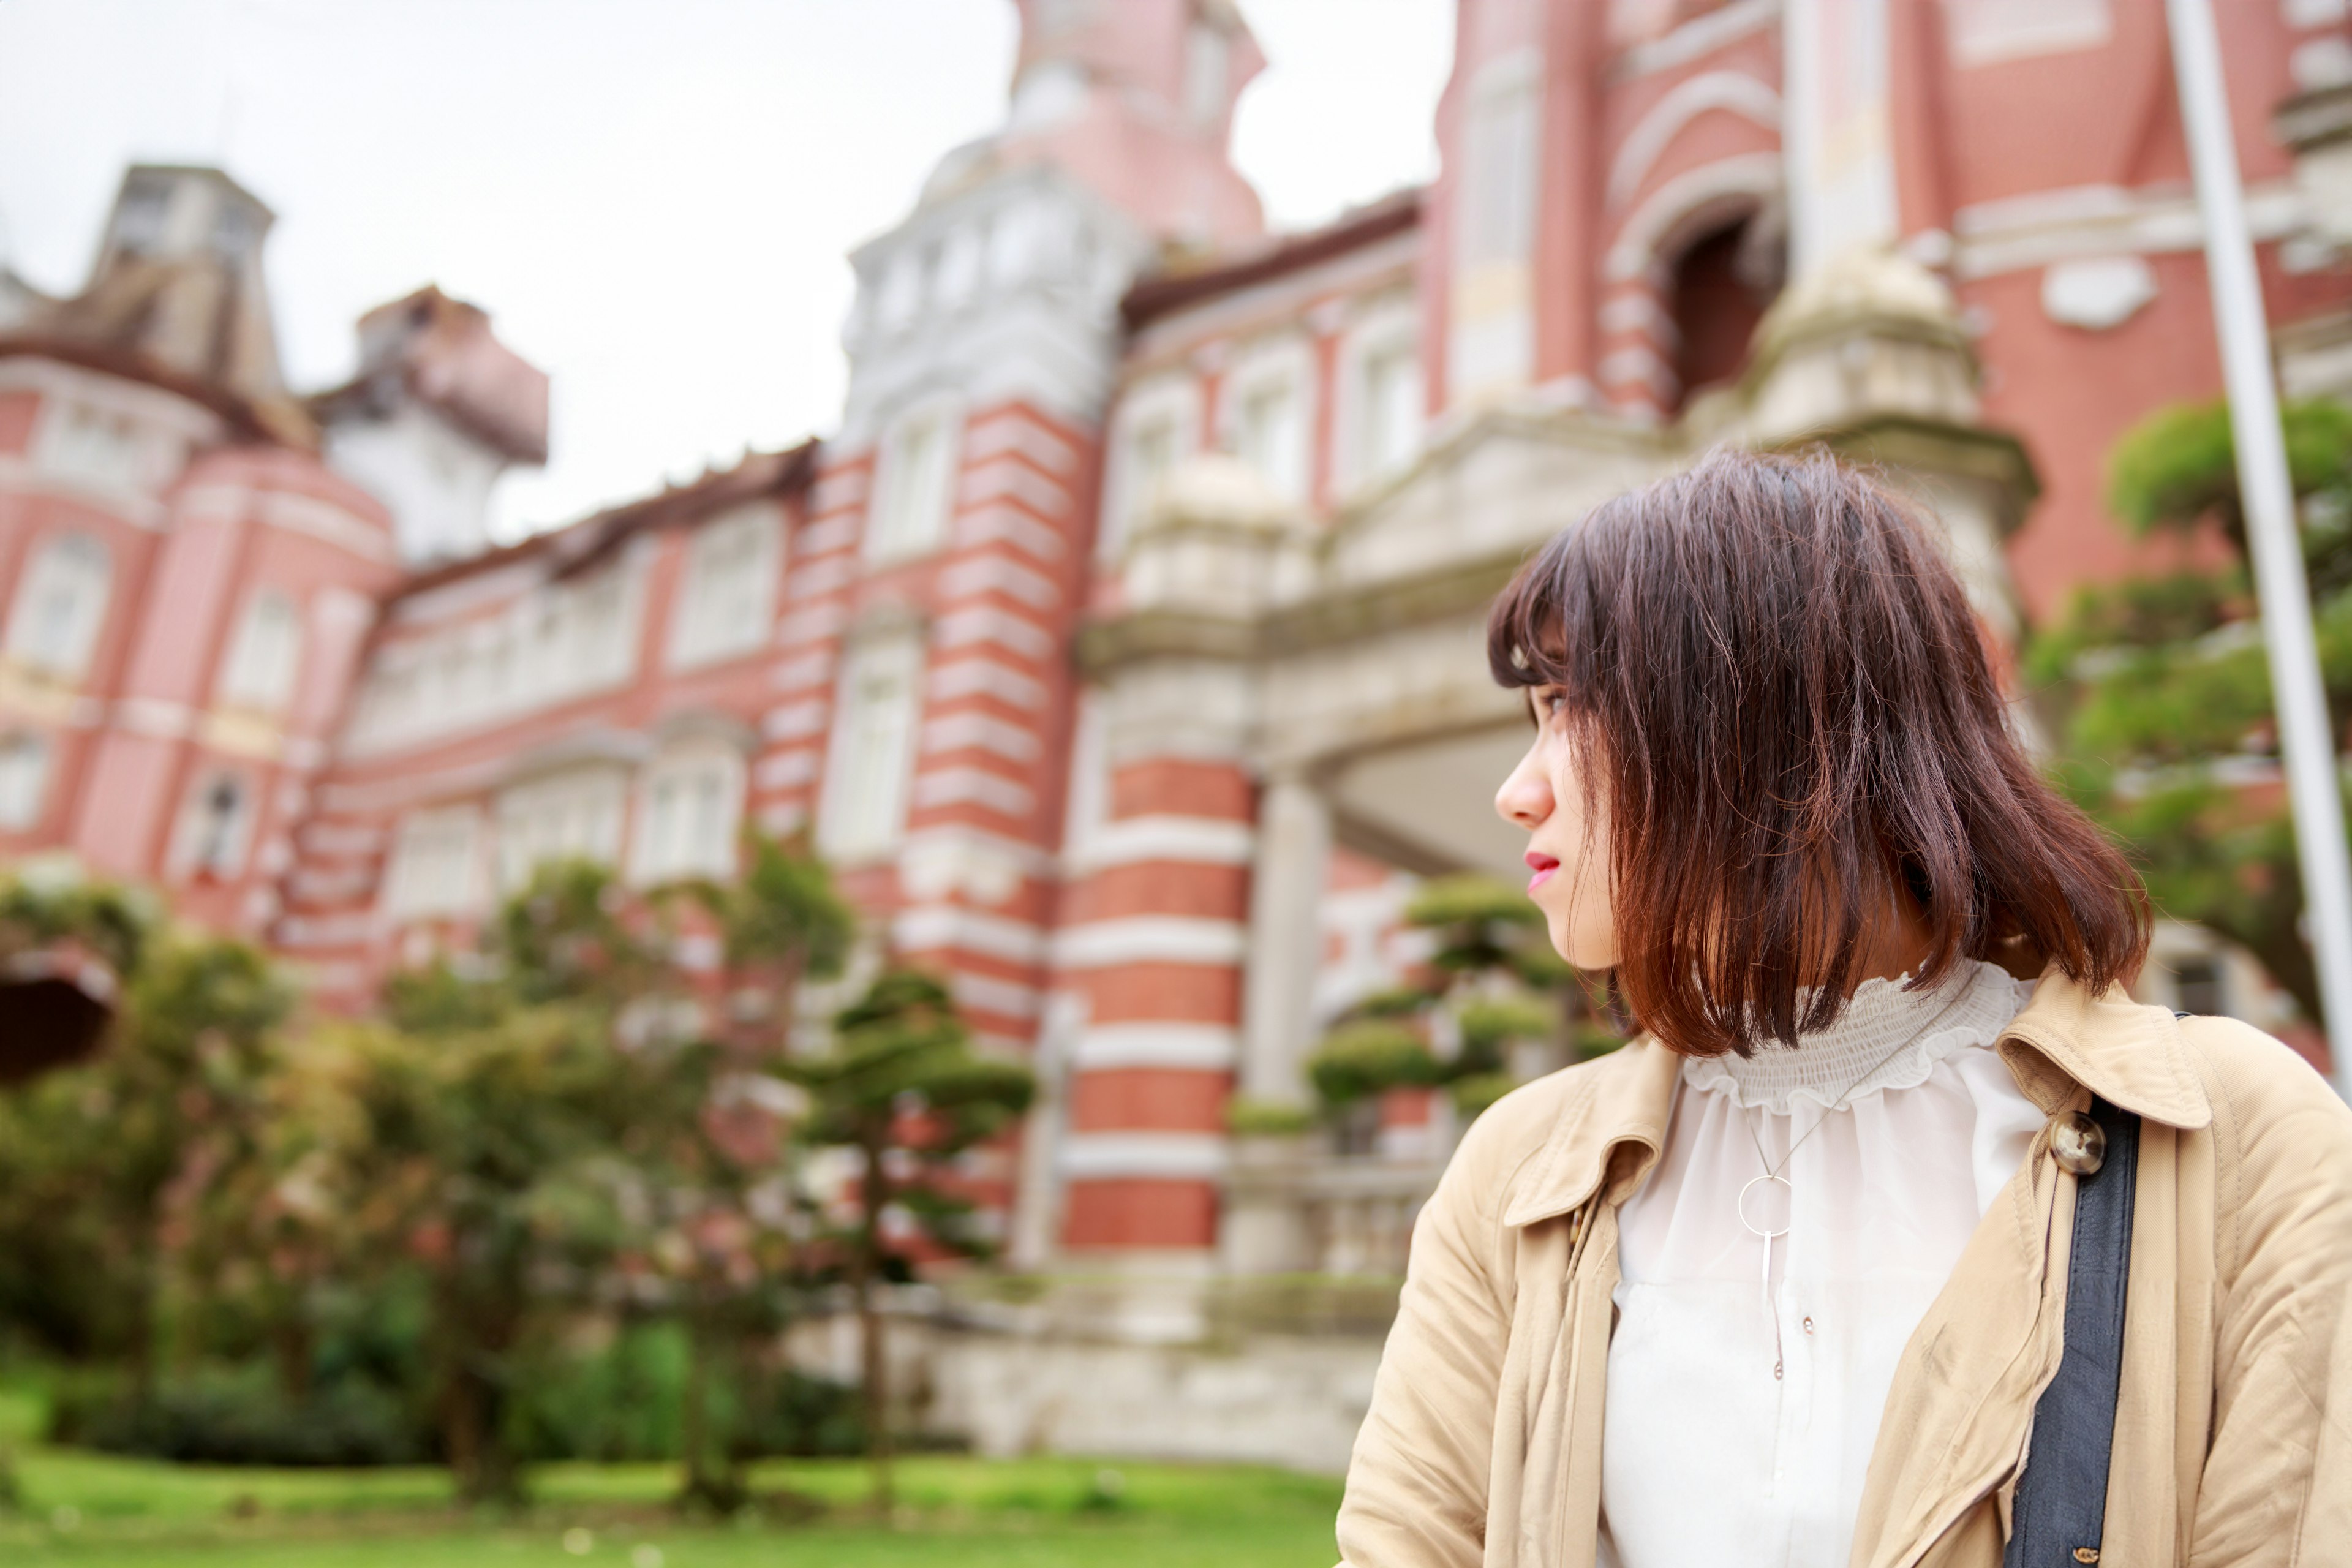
(2129,1055)
(1624,1103)
(2065,1040)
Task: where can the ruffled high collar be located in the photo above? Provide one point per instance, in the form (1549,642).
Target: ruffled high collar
(1838,1062)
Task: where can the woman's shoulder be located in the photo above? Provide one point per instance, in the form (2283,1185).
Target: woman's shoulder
(2282,1142)
(2249,1073)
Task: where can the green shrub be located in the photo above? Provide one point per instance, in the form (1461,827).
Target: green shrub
(1248,1117)
(1358,1060)
(238,1416)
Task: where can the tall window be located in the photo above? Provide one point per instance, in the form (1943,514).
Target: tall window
(1388,415)
(873,749)
(265,656)
(916,485)
(1147,459)
(61,605)
(728,600)
(23,780)
(686,816)
(214,825)
(1270,434)
(435,864)
(573,815)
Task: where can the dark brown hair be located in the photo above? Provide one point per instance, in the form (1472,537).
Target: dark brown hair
(1790,719)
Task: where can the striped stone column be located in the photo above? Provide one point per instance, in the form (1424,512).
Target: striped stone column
(1153,937)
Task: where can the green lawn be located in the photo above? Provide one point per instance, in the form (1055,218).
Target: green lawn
(104,1512)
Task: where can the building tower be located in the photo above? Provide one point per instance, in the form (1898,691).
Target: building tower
(438,411)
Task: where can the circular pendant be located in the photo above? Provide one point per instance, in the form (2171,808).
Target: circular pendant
(1764,1208)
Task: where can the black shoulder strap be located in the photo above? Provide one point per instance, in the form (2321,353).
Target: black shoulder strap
(2062,1499)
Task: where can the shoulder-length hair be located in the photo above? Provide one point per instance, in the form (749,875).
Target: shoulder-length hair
(1791,727)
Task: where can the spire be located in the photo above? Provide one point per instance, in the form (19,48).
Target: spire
(1135,99)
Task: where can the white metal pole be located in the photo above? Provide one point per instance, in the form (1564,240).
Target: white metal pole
(2306,742)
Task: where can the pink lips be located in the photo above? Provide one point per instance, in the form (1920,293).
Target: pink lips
(1543,866)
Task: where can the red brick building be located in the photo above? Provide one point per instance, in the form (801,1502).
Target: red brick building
(1120,646)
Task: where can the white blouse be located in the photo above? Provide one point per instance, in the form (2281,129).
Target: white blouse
(1709,1456)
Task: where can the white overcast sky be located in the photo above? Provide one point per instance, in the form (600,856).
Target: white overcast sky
(652,200)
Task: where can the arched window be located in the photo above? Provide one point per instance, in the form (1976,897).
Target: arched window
(61,605)
(1721,284)
(265,655)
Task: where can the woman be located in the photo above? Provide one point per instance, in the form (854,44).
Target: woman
(1783,1280)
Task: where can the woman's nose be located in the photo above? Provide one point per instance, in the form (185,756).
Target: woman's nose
(1526,796)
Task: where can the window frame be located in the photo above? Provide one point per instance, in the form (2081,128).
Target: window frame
(696,635)
(234,686)
(83,638)
(890,536)
(688,760)
(1288,361)
(882,800)
(402,900)
(20,742)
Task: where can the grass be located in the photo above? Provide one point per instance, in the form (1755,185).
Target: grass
(98,1511)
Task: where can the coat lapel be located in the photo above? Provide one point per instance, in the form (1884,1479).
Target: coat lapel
(1957,1416)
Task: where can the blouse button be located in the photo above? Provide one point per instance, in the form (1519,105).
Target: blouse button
(1808,1325)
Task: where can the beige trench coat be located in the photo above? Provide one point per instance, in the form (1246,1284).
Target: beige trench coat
(2233,1430)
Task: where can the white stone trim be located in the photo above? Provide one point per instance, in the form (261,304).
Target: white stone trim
(1757,175)
(1150,939)
(932,926)
(1002,478)
(987,677)
(815,624)
(154,716)
(994,573)
(2036,229)
(989,995)
(793,721)
(952,786)
(828,535)
(815,668)
(1203,1048)
(1012,430)
(986,524)
(988,623)
(1200,841)
(785,770)
(979,732)
(1170,1156)
(1735,92)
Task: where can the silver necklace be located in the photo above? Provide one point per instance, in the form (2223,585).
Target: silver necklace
(1772,1170)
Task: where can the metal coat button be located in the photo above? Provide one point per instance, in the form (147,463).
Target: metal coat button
(2078,1143)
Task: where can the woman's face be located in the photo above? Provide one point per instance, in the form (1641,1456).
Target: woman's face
(1568,839)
